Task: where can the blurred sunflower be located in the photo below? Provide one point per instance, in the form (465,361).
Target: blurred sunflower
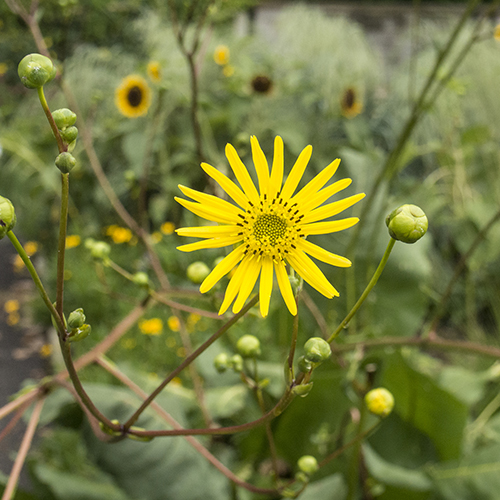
(262,84)
(272,226)
(133,96)
(350,103)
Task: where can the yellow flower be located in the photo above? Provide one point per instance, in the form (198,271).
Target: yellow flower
(167,228)
(350,104)
(181,352)
(18,263)
(72,241)
(496,33)
(228,70)
(221,55)
(191,321)
(129,343)
(13,318)
(272,226)
(154,71)
(171,342)
(3,68)
(11,306)
(45,350)
(133,96)
(174,324)
(119,234)
(153,326)
(156,237)
(31,248)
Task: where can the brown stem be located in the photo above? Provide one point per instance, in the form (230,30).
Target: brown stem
(183,307)
(13,421)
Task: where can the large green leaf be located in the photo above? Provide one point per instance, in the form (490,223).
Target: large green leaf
(333,487)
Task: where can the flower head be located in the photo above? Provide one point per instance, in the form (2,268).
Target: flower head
(270,227)
(496,33)
(133,96)
(262,84)
(350,103)
(154,71)
(153,326)
(221,55)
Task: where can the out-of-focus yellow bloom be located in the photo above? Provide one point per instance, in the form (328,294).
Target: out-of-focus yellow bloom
(156,237)
(11,306)
(3,68)
(31,248)
(18,263)
(129,343)
(176,381)
(350,103)
(167,228)
(181,352)
(228,70)
(496,33)
(153,326)
(174,324)
(192,320)
(154,71)
(171,342)
(45,350)
(119,234)
(221,55)
(72,241)
(13,318)
(133,96)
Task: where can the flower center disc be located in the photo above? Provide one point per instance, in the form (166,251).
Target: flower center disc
(134,96)
(269,228)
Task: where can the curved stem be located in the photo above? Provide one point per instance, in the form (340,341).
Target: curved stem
(368,289)
(50,118)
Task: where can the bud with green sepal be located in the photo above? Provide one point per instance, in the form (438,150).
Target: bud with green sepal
(64,118)
(248,346)
(408,223)
(7,216)
(108,430)
(380,402)
(76,319)
(221,362)
(197,272)
(69,135)
(65,162)
(317,350)
(35,71)
(141,278)
(308,464)
(98,249)
(305,366)
(77,334)
(236,363)
(302,390)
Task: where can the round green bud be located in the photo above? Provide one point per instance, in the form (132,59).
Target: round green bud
(64,118)
(317,350)
(305,366)
(65,162)
(76,319)
(248,346)
(308,464)
(7,216)
(302,390)
(197,272)
(36,70)
(236,363)
(80,333)
(380,402)
(408,223)
(69,135)
(98,249)
(221,362)
(141,279)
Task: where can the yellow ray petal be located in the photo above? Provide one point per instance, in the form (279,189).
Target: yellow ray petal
(241,173)
(311,273)
(332,209)
(208,213)
(296,173)
(210,243)
(277,170)
(261,166)
(285,287)
(234,285)
(208,231)
(209,200)
(328,226)
(324,194)
(312,187)
(222,268)
(266,285)
(322,254)
(227,185)
(251,275)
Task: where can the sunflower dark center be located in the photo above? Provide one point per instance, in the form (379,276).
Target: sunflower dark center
(134,96)
(269,227)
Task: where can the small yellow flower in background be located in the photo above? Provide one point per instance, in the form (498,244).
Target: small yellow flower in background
(167,228)
(174,324)
(350,104)
(18,263)
(133,96)
(156,237)
(31,248)
(72,241)
(13,318)
(181,352)
(191,321)
(272,226)
(221,55)
(3,68)
(45,350)
(129,343)
(176,381)
(119,234)
(228,70)
(171,342)
(11,306)
(153,326)
(154,71)
(496,33)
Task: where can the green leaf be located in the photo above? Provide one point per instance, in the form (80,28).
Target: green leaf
(330,487)
(225,402)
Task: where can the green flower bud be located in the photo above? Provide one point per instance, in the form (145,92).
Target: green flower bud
(36,70)
(317,350)
(308,464)
(305,366)
(302,390)
(108,430)
(380,402)
(236,363)
(80,333)
(65,162)
(248,346)
(69,135)
(197,272)
(98,249)
(144,439)
(64,118)
(76,319)
(141,279)
(408,223)
(296,284)
(7,216)
(221,362)
(300,477)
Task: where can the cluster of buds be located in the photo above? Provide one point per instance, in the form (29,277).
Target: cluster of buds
(7,216)
(316,350)
(224,362)
(65,120)
(35,71)
(99,250)
(77,328)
